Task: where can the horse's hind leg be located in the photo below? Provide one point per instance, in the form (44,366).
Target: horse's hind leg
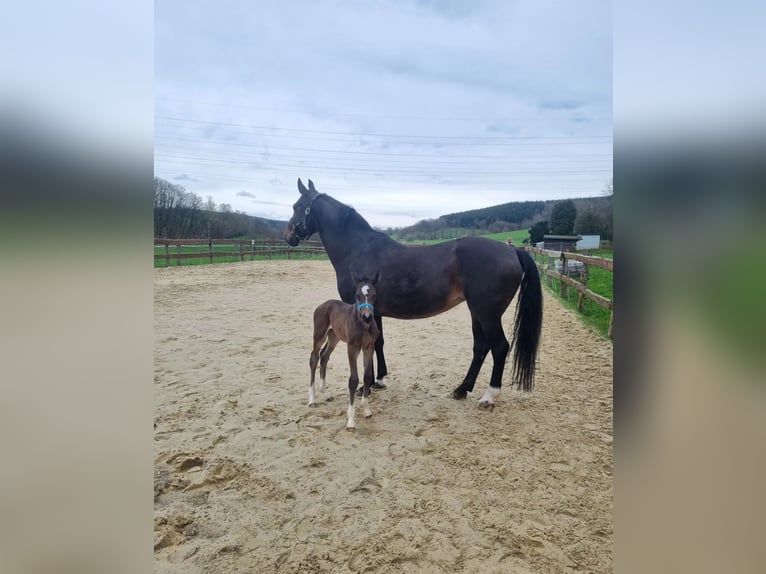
(320,335)
(313,360)
(481,347)
(493,329)
(324,357)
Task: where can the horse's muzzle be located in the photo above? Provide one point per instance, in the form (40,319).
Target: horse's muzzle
(292,239)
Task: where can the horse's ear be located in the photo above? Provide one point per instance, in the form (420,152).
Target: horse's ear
(301,187)
(354,277)
(311,186)
(376,278)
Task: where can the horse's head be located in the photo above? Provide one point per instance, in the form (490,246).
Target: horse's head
(365,296)
(301,226)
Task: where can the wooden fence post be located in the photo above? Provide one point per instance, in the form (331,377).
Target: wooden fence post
(581,296)
(562,286)
(611,317)
(210,245)
(241,253)
(178,251)
(167,255)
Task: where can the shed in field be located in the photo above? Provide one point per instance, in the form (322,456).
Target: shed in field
(589,242)
(561,242)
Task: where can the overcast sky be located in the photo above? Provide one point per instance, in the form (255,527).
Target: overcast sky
(405,109)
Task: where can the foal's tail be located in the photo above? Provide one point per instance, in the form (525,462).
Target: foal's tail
(529,321)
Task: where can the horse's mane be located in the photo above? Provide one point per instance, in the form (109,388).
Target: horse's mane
(349,217)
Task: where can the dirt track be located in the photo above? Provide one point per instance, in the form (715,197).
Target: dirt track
(250,479)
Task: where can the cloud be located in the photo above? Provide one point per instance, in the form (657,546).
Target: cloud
(458,108)
(563,104)
(185,177)
(244,193)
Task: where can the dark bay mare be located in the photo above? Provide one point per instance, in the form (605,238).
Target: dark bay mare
(354,325)
(422,281)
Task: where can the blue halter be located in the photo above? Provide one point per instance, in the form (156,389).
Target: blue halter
(361,306)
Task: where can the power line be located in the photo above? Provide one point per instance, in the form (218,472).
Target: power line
(364,134)
(346,115)
(370,153)
(219,161)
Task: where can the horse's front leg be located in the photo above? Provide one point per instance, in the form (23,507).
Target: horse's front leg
(382,369)
(353,383)
(368,377)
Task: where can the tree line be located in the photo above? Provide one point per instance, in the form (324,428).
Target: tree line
(581,216)
(179,213)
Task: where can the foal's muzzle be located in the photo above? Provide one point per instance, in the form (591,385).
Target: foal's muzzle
(367,311)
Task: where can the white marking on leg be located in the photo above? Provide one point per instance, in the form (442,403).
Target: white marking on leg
(312,397)
(350,424)
(489,397)
(322,385)
(366,407)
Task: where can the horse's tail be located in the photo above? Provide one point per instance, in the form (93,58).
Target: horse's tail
(528,323)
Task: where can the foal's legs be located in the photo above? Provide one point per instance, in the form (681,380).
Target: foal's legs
(313,360)
(368,376)
(353,382)
(324,357)
(321,333)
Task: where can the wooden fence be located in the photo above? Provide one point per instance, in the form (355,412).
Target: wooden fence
(241,248)
(546,260)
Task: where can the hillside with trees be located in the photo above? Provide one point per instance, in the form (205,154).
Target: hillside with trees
(589,215)
(182,214)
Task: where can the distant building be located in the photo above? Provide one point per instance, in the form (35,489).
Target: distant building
(589,242)
(561,242)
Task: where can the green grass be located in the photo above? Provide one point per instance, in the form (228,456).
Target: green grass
(600,281)
(518,237)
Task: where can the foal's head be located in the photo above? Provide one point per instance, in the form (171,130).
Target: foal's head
(302,224)
(365,296)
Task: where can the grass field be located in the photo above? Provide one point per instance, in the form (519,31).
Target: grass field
(600,281)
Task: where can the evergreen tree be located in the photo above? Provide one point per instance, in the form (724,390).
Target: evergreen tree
(537,231)
(563,217)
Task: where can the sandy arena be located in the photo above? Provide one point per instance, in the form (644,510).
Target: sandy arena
(249,479)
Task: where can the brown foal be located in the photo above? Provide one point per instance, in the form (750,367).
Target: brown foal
(354,325)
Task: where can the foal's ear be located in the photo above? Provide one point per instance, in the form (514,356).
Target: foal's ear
(354,277)
(311,186)
(376,278)
(301,187)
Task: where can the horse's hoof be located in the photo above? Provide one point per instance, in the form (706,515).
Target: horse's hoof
(350,428)
(486,405)
(312,404)
(367,415)
(459,394)
(378,385)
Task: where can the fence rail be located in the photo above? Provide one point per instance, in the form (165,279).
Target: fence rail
(547,267)
(247,248)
